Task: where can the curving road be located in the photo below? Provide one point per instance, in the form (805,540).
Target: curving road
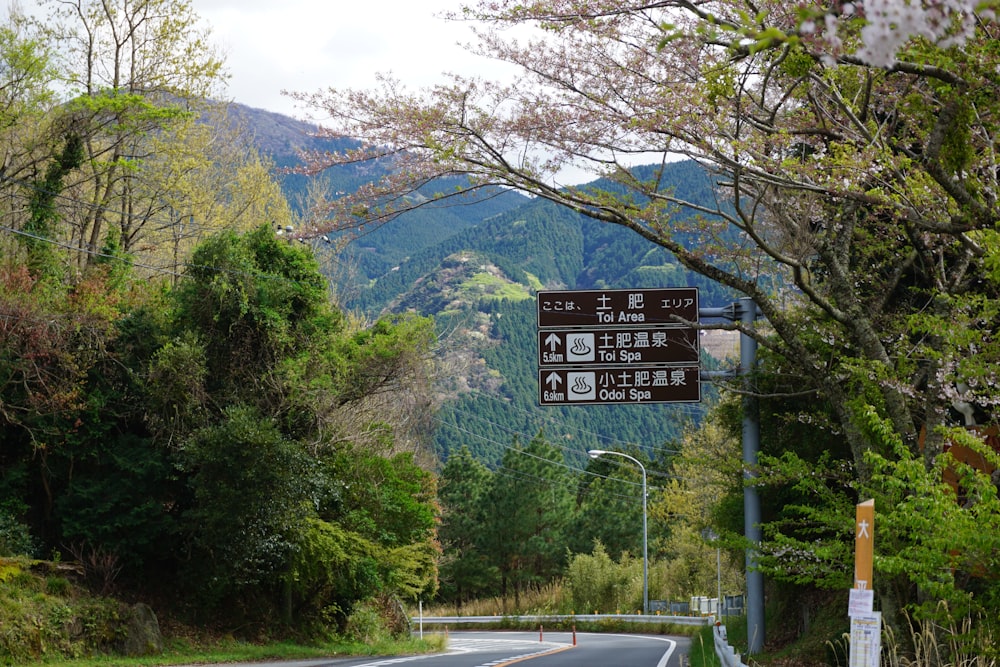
(553,649)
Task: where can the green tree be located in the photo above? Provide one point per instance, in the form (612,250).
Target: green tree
(252,302)
(696,501)
(331,570)
(164,438)
(609,510)
(250,487)
(53,342)
(463,484)
(598,584)
(27,96)
(528,507)
(134,70)
(391,500)
(162,167)
(270,399)
(42,258)
(202,176)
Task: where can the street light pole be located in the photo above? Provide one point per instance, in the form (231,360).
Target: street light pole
(594,453)
(710,534)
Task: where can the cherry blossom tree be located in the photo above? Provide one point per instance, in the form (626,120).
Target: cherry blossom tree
(852,147)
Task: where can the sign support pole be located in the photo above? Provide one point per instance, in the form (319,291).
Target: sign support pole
(866,624)
(581,315)
(747,310)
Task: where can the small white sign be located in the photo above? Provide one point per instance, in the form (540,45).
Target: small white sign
(861,603)
(580,347)
(866,640)
(581,386)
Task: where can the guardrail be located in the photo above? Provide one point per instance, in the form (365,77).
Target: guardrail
(636,618)
(727,654)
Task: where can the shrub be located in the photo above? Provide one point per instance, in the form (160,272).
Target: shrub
(597,583)
(15,540)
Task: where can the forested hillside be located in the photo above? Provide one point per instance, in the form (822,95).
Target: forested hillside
(474,263)
(356,261)
(534,242)
(489,416)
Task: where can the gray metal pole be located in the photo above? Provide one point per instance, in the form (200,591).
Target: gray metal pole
(751,500)
(718,580)
(645,550)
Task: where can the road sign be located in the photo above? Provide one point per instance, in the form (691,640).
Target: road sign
(626,307)
(632,384)
(578,347)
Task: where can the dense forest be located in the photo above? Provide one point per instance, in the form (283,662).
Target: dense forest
(200,447)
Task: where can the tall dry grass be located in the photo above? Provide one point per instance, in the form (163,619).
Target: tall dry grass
(933,644)
(548,599)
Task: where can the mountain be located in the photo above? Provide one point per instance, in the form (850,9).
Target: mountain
(475,268)
(377,252)
(480,285)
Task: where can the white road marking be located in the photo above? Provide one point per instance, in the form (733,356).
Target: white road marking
(467,645)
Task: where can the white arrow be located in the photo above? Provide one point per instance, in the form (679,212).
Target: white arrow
(554,379)
(553,341)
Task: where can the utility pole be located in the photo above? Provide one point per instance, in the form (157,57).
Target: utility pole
(751,499)
(745,312)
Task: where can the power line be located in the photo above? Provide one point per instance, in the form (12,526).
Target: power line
(512,473)
(149,267)
(67,246)
(505,446)
(547,418)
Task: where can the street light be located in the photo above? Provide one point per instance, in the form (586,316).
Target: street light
(594,453)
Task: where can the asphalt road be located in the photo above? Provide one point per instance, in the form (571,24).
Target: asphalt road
(552,649)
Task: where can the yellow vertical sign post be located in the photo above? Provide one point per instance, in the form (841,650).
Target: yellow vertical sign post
(866,624)
(864,541)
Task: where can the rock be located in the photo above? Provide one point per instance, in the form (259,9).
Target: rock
(142,632)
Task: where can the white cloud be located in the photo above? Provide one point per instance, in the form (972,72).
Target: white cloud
(308,45)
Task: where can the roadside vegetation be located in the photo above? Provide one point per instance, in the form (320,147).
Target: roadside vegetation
(48,617)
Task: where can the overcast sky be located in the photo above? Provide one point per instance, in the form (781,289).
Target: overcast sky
(308,45)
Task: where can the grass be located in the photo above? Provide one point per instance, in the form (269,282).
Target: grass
(702,651)
(916,644)
(181,653)
(47,619)
(548,599)
(932,644)
(486,285)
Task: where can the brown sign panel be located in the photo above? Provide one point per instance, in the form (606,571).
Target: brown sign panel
(593,347)
(617,308)
(864,540)
(619,384)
